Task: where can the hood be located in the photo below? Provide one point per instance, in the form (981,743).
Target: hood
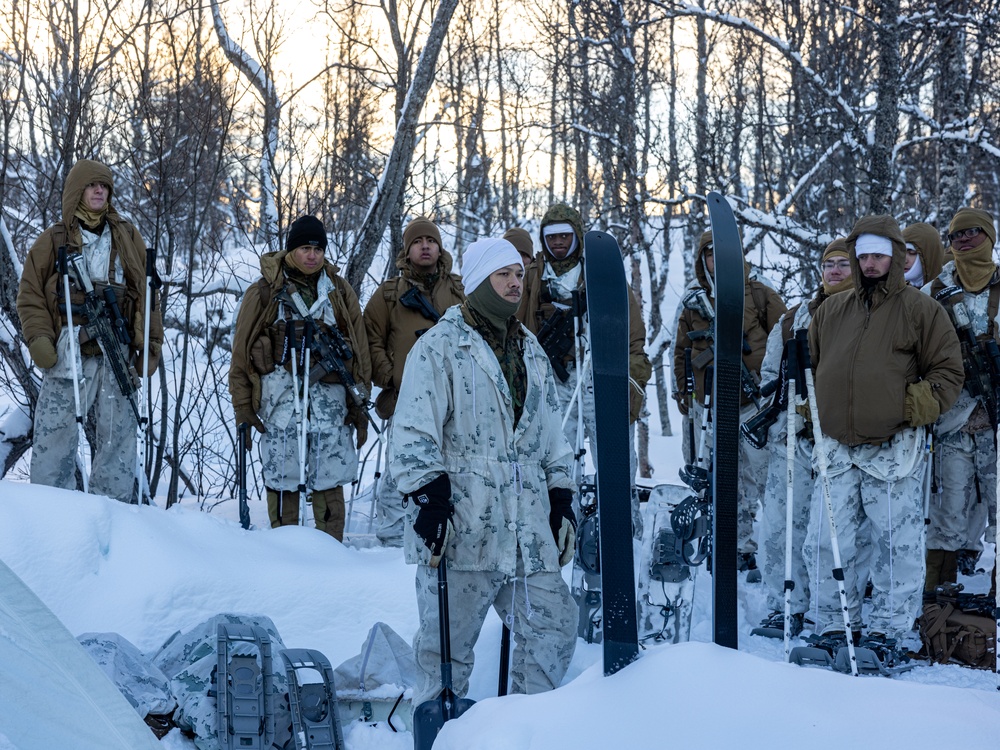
(927,240)
(882,225)
(559,213)
(82,174)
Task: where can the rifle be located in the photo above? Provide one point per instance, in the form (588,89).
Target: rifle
(697,300)
(755,429)
(330,349)
(557,334)
(106,323)
(980,359)
(412,299)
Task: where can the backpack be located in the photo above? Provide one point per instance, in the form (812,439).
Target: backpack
(951,635)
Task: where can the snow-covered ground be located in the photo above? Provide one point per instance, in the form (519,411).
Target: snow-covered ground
(146,572)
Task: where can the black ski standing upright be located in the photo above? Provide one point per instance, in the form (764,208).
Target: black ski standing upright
(608,310)
(729,290)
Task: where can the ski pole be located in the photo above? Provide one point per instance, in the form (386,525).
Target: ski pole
(504,677)
(304,423)
(296,409)
(241,473)
(152,283)
(81,432)
(791,376)
(375,484)
(689,389)
(838,570)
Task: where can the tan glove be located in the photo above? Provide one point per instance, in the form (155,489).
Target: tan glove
(683,405)
(43,352)
(921,406)
(358,418)
(566,542)
(246,415)
(804,412)
(154,358)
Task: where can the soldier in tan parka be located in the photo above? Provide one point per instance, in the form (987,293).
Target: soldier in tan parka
(924,254)
(115,254)
(762,308)
(266,397)
(400,311)
(887,364)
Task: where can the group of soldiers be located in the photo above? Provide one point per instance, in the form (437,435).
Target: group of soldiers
(483,422)
(890,376)
(486,406)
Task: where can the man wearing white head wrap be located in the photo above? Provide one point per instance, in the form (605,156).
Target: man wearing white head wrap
(478,446)
(887,363)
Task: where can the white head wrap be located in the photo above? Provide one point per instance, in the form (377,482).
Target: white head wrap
(485,256)
(872,244)
(560,228)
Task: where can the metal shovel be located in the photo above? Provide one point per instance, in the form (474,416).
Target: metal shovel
(430,716)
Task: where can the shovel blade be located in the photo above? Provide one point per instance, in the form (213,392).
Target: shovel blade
(430,716)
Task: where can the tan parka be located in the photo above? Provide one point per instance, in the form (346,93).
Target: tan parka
(534,310)
(39,293)
(259,310)
(393,328)
(867,347)
(762,308)
(930,249)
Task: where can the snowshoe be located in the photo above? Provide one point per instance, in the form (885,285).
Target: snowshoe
(773,626)
(966,561)
(315,721)
(822,650)
(876,655)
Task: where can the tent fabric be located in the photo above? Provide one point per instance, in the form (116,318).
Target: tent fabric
(52,693)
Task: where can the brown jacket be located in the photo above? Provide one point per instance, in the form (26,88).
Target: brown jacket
(762,308)
(40,290)
(393,328)
(534,311)
(867,347)
(259,311)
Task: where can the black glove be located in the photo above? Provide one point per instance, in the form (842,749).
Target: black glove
(562,521)
(436,510)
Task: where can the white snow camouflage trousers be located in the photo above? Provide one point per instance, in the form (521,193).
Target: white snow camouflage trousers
(389,503)
(544,621)
(565,392)
(894,538)
(753,474)
(331,457)
(772,523)
(961,511)
(56,435)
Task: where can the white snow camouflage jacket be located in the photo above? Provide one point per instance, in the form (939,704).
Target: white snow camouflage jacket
(455,416)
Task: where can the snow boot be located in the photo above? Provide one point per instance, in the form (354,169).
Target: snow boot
(773,626)
(283,507)
(748,563)
(965,562)
(328,510)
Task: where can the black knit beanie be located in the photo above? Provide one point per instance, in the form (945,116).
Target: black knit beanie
(306,230)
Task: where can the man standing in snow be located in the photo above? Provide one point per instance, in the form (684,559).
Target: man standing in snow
(762,307)
(887,364)
(268,346)
(113,255)
(924,254)
(400,310)
(478,448)
(966,434)
(836,274)
(554,285)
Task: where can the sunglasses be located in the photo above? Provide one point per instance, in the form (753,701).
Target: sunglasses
(829,265)
(964,234)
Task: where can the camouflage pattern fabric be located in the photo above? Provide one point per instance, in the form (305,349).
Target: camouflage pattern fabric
(893,508)
(389,504)
(961,512)
(142,683)
(56,434)
(455,415)
(538,607)
(331,457)
(190,660)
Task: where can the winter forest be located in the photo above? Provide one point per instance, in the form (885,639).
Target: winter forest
(224,121)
